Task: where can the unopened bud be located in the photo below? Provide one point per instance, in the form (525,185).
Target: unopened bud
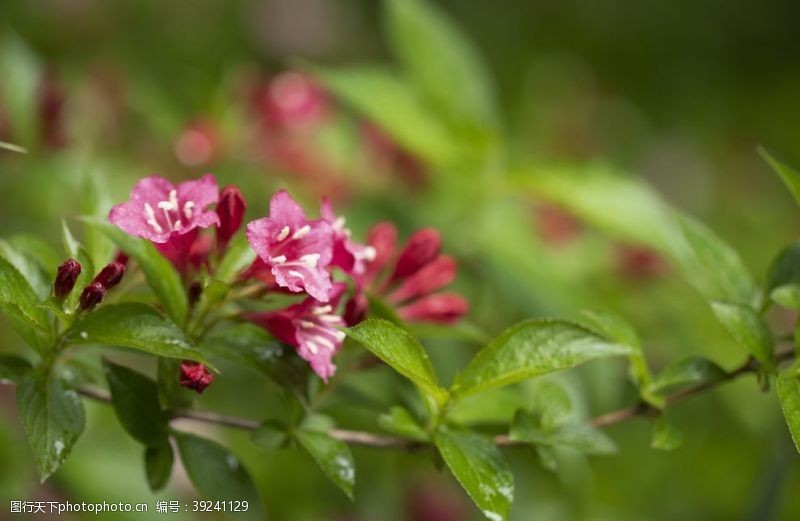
(65,278)
(195,376)
(91,296)
(110,275)
(230,210)
(422,247)
(445,308)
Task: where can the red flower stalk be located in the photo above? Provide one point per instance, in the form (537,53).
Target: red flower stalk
(195,376)
(230,209)
(92,295)
(65,278)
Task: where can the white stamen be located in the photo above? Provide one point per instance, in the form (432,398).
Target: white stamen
(322,310)
(369,253)
(306,324)
(284,233)
(295,274)
(187,209)
(338,335)
(329,318)
(310,260)
(301,232)
(178,224)
(150,215)
(338,224)
(280,259)
(325,342)
(312,347)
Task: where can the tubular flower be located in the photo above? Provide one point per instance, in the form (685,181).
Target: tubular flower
(66,277)
(412,280)
(348,255)
(111,274)
(295,249)
(160,211)
(312,327)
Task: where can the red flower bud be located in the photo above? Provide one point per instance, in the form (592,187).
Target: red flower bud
(65,278)
(230,210)
(122,258)
(421,248)
(383,238)
(441,307)
(195,376)
(436,274)
(110,275)
(195,290)
(91,296)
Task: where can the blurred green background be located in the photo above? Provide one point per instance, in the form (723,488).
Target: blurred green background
(677,93)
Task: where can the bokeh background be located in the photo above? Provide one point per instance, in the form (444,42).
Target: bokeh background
(677,93)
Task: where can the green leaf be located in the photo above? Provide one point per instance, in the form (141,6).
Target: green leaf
(219,475)
(53,419)
(529,428)
(787,296)
(333,457)
(160,273)
(28,268)
(785,269)
(270,435)
(95,203)
(20,304)
(686,371)
(710,265)
(398,348)
(135,401)
(171,395)
(399,421)
(665,435)
(789,176)
(135,325)
(481,469)
(37,249)
(13,369)
(532,348)
(442,60)
(158,462)
(238,257)
(748,328)
(788,387)
(387,100)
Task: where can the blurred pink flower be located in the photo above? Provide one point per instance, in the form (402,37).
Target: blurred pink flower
(312,327)
(348,255)
(296,250)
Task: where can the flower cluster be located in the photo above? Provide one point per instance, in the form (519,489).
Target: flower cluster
(317,259)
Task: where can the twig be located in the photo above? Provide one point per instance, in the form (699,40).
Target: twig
(369,439)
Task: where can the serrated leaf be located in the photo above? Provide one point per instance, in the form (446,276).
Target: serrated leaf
(158,461)
(398,348)
(443,61)
(270,435)
(53,418)
(665,435)
(134,325)
(20,304)
(532,348)
(690,370)
(13,369)
(386,99)
(135,401)
(400,422)
(238,257)
(481,469)
(27,267)
(219,475)
(161,275)
(788,387)
(42,252)
(748,328)
(789,176)
(332,456)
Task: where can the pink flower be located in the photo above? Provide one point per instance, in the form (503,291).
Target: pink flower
(348,255)
(312,327)
(412,281)
(296,250)
(160,211)
(291,100)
